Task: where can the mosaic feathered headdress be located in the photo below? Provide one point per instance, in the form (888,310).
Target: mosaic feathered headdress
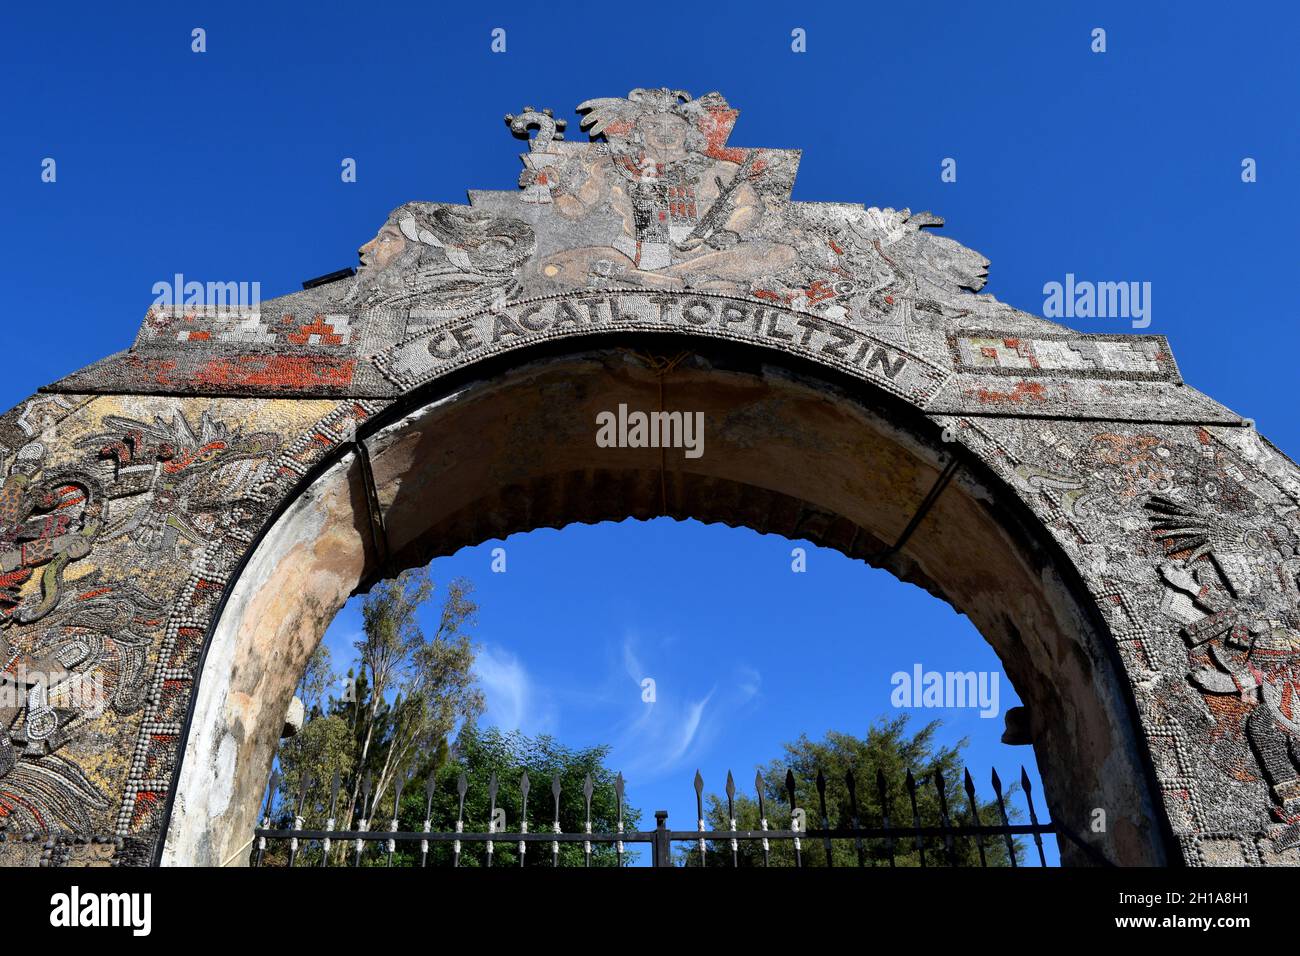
(615,117)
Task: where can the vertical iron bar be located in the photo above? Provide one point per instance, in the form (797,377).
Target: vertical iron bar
(430,785)
(762,817)
(1006,822)
(331,821)
(298,819)
(462,785)
(618,793)
(492,814)
(699,811)
(365,822)
(731,816)
(524,785)
(794,819)
(586,844)
(555,827)
(397,810)
(826,820)
(916,817)
(852,784)
(884,812)
(661,850)
(975,815)
(1033,817)
(272,784)
(943,817)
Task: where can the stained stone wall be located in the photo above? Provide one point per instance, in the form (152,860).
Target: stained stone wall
(135,490)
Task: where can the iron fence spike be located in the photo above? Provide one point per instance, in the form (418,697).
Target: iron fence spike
(272,786)
(916,817)
(944,822)
(826,821)
(975,816)
(884,813)
(334,800)
(851,783)
(854,816)
(1006,821)
(1033,816)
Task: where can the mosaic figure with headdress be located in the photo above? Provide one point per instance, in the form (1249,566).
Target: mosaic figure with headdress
(686,207)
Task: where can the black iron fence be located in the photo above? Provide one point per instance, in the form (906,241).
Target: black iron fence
(795,836)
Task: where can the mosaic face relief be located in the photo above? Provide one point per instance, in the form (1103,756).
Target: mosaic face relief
(125,510)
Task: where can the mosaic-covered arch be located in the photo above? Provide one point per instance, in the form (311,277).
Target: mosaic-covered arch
(134,490)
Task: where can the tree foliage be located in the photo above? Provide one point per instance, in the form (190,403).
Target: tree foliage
(411,692)
(888,747)
(481,753)
(429,677)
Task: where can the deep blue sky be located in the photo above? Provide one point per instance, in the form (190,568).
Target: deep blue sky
(225,166)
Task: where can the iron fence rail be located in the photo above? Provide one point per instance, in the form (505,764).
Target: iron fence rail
(933,845)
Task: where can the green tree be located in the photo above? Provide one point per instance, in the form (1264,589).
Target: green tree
(325,746)
(428,676)
(887,747)
(316,680)
(409,693)
(480,753)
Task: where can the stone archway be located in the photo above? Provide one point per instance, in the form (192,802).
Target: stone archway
(183,518)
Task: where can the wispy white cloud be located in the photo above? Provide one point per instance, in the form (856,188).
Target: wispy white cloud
(514,699)
(659,737)
(749,681)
